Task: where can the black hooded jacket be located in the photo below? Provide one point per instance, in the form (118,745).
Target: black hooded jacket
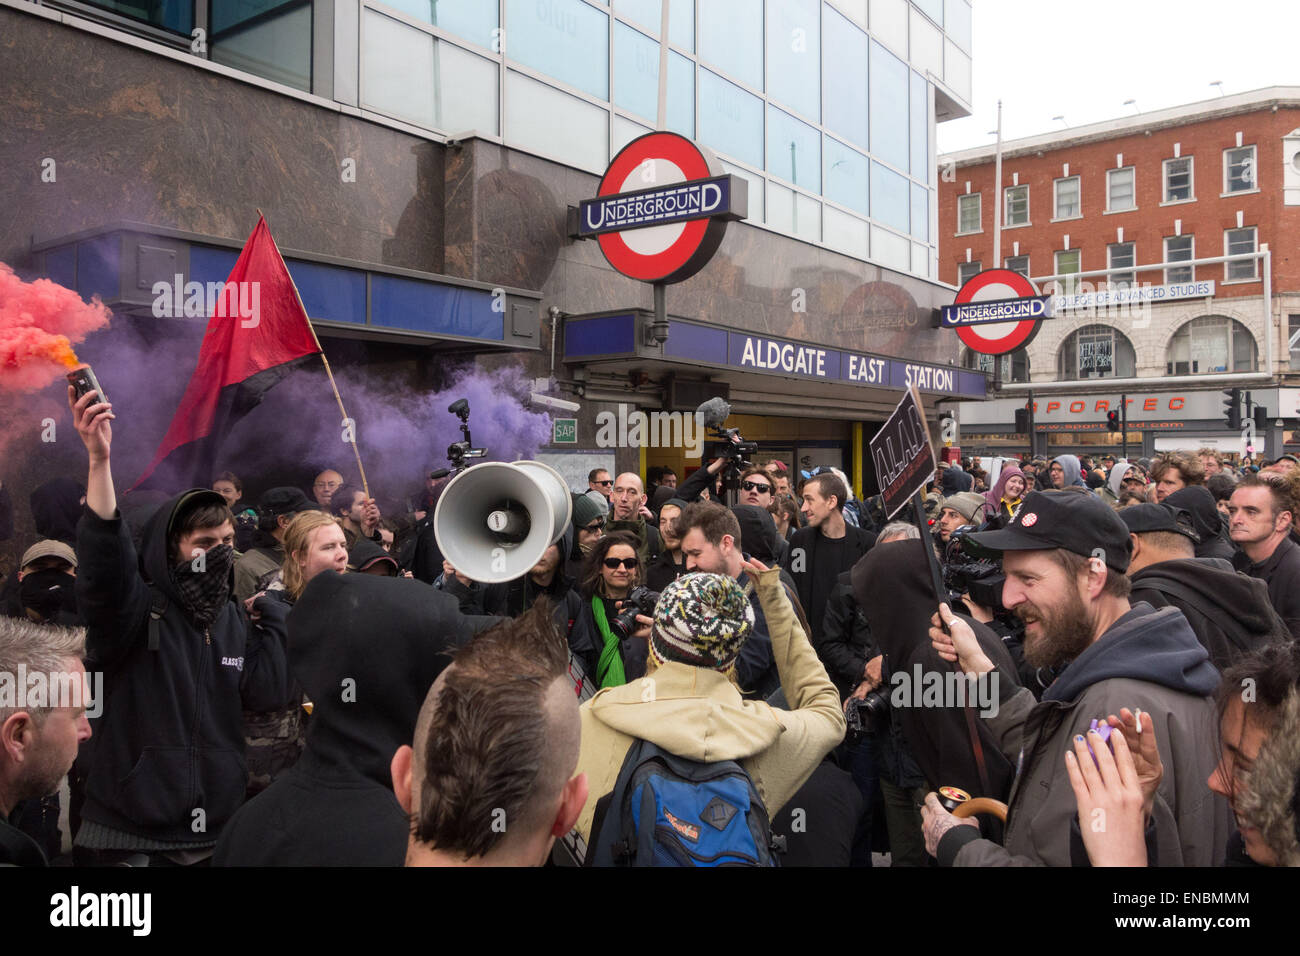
(892,586)
(1207,522)
(1229,612)
(56,506)
(365,649)
(171,737)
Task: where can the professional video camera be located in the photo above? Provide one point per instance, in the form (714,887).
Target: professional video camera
(457,452)
(714,414)
(965,573)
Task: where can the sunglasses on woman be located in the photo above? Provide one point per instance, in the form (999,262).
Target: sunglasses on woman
(615,563)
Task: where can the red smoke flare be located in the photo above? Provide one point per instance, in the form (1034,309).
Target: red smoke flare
(39,322)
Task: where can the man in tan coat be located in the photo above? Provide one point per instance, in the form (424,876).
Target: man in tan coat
(695,710)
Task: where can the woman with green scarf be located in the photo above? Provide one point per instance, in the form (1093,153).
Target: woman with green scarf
(609,573)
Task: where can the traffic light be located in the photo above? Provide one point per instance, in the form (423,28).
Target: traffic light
(1232,408)
(1261,419)
(1022,421)
(1112,421)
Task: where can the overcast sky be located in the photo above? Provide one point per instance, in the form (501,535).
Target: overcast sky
(1045,58)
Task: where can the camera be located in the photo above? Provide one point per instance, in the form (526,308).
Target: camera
(641,600)
(868,715)
(457,452)
(981,578)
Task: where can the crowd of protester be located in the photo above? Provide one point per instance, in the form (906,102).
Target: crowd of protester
(308,680)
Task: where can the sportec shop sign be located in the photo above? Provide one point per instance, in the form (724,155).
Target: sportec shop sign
(661,209)
(997,311)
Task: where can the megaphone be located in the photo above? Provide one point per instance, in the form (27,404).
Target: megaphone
(494,521)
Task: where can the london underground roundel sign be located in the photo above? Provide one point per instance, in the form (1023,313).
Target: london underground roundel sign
(661,209)
(997,311)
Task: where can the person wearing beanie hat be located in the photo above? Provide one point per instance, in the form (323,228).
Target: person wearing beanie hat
(590,514)
(276,509)
(963,508)
(688,703)
(702,620)
(1065,557)
(47,579)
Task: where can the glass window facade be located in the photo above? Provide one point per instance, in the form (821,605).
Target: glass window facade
(889,109)
(1121,255)
(1239,170)
(794,55)
(821,103)
(565,39)
(1017,211)
(731,38)
(967,271)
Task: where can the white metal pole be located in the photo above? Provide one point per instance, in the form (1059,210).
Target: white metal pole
(998,197)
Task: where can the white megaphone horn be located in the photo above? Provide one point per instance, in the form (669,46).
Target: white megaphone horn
(494,521)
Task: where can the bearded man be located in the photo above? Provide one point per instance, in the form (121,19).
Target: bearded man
(1064,557)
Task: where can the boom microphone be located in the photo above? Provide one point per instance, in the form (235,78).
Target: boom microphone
(714,412)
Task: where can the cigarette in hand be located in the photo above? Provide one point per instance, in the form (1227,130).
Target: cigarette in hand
(1137,716)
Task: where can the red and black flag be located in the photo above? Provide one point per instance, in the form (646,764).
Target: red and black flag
(257,334)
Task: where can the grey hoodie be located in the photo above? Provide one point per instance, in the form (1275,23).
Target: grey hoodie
(1116,478)
(1072,469)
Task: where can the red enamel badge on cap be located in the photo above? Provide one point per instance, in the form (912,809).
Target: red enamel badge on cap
(1029,520)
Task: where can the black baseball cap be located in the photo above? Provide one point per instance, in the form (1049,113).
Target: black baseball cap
(1160,517)
(1075,521)
(283,501)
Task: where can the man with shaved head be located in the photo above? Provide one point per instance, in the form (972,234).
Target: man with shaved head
(490,779)
(628,513)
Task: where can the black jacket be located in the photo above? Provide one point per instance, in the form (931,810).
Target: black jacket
(171,737)
(366,649)
(1230,612)
(892,585)
(17,848)
(512,598)
(586,643)
(802,554)
(1281,571)
(663,571)
(845,644)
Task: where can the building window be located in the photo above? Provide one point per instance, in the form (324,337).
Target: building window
(967,271)
(1120,192)
(968,213)
(174,17)
(1015,367)
(1293,336)
(1237,242)
(1018,264)
(1178,179)
(1179,249)
(1068,262)
(1017,213)
(1067,198)
(1211,343)
(1096,351)
(1120,255)
(1239,170)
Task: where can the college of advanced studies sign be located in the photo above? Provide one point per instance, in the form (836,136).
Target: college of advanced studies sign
(661,209)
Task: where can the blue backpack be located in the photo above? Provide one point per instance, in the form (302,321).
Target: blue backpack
(667,810)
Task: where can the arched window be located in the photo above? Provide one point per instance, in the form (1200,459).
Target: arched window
(1211,343)
(1015,366)
(1096,351)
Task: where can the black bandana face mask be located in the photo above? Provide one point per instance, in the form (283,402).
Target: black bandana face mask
(204,582)
(46,592)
